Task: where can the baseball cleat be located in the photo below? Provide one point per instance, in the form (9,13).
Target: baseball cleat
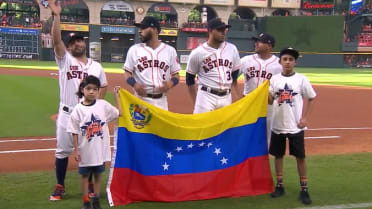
(95,203)
(279,191)
(305,197)
(57,194)
(87,205)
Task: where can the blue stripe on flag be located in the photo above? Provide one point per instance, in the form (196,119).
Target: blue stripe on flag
(151,155)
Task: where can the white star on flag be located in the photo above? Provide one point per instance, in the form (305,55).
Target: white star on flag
(217,151)
(169,155)
(190,145)
(165,166)
(224,160)
(209,144)
(178,149)
(201,144)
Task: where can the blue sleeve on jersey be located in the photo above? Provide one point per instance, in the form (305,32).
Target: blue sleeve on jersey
(190,79)
(235,75)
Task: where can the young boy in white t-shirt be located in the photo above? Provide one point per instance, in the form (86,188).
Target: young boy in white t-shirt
(288,91)
(88,125)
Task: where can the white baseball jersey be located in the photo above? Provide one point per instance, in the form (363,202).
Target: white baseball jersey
(288,93)
(71,73)
(90,123)
(257,70)
(214,66)
(151,67)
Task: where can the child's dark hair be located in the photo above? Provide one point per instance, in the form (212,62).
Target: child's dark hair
(88,80)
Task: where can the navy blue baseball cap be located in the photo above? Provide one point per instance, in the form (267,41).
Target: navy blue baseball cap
(75,38)
(265,38)
(216,23)
(148,21)
(291,51)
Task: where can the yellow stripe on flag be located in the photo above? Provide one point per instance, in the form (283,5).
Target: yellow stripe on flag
(142,117)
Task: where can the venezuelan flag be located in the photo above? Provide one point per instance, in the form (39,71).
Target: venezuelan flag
(164,156)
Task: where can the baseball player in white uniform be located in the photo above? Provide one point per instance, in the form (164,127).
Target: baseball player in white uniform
(151,67)
(73,66)
(216,63)
(260,67)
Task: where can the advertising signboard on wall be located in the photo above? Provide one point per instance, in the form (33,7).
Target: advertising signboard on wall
(295,4)
(253,3)
(121,6)
(219,2)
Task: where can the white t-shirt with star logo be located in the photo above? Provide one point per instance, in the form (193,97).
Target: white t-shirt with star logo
(288,93)
(90,123)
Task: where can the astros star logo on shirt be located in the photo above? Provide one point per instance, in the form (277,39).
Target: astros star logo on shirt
(92,128)
(285,95)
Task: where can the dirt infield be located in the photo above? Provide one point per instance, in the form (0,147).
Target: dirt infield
(340,123)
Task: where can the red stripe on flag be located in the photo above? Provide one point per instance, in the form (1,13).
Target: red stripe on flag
(252,177)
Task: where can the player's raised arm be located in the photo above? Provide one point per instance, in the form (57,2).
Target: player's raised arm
(59,47)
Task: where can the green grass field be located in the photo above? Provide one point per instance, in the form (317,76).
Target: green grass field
(333,76)
(31,100)
(51,65)
(346,180)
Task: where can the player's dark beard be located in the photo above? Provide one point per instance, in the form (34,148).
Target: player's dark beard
(146,38)
(77,53)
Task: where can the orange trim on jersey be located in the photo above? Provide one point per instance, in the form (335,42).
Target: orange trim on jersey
(177,71)
(270,63)
(205,48)
(258,78)
(58,57)
(152,68)
(208,50)
(192,73)
(157,57)
(223,67)
(236,67)
(128,69)
(266,68)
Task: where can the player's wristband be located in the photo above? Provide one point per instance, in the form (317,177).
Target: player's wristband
(131,81)
(175,80)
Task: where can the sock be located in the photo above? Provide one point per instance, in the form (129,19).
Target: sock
(61,167)
(90,179)
(279,181)
(303,183)
(86,198)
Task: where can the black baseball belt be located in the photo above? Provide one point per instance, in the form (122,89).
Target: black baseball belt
(217,92)
(67,109)
(154,96)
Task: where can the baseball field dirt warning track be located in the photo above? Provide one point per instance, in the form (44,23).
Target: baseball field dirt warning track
(339,123)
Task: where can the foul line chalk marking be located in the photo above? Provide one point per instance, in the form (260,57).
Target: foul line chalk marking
(322,137)
(327,129)
(344,206)
(27,140)
(31,140)
(30,150)
(27,150)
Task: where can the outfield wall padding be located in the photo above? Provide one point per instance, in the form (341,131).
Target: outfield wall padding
(307,33)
